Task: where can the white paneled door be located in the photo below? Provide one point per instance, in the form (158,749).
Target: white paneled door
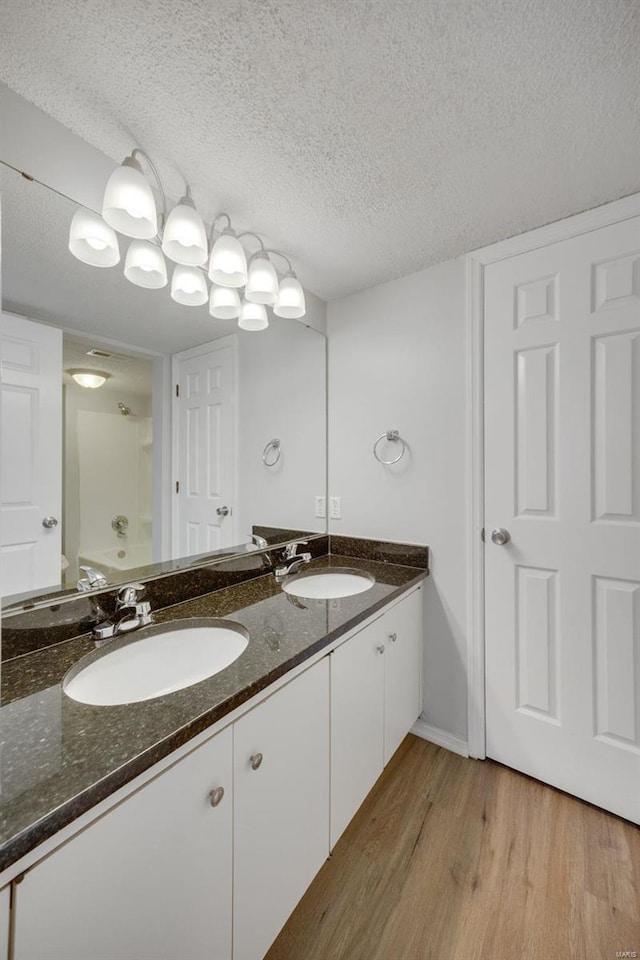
(205,448)
(562,448)
(30,455)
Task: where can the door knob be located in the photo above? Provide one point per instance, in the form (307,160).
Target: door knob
(49,522)
(393,637)
(255,761)
(380,649)
(500,536)
(222,511)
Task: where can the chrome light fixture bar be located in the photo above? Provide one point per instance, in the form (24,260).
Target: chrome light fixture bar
(129,207)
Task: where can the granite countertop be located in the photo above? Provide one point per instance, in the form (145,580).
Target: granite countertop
(59,757)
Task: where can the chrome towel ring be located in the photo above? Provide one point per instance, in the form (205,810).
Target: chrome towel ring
(394,437)
(273,445)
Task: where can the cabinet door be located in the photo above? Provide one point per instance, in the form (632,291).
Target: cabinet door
(281,828)
(151,880)
(403,639)
(357,722)
(5,896)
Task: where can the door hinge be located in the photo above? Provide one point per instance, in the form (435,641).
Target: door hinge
(177,389)
(177,486)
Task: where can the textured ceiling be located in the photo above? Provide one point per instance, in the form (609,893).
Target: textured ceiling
(368,138)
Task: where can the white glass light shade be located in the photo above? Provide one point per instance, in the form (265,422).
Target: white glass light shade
(228,264)
(128,204)
(290,299)
(185,239)
(253,316)
(92,240)
(89,378)
(224,303)
(262,280)
(144,265)
(189,286)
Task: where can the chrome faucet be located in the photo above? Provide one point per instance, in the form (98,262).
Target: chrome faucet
(93,580)
(130,614)
(291,560)
(261,544)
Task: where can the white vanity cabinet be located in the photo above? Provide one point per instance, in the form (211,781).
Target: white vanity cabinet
(150,880)
(5,899)
(357,723)
(376,697)
(281,794)
(402,636)
(207,860)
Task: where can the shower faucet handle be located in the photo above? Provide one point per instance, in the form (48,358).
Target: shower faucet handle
(120,525)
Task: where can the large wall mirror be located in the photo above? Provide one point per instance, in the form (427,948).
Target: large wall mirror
(135,477)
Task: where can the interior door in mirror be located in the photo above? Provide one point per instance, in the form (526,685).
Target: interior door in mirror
(31,462)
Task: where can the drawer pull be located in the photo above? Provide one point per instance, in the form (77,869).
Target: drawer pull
(255,761)
(216,796)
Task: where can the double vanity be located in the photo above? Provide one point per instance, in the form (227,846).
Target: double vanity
(177,761)
(196,773)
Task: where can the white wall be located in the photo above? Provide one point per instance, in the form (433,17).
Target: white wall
(282,386)
(397,356)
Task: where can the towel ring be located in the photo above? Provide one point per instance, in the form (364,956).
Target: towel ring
(272,445)
(394,437)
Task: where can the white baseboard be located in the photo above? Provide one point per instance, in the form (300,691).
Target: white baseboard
(443,739)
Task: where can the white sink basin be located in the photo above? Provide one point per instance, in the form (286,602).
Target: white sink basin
(328,584)
(167,658)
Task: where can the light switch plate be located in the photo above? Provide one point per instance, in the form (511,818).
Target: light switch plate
(335,508)
(321,506)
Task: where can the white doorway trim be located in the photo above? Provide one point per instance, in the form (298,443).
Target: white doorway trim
(476,262)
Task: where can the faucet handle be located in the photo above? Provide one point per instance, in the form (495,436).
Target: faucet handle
(128,595)
(291,549)
(93,580)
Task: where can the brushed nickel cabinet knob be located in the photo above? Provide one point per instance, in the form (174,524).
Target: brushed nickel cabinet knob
(216,796)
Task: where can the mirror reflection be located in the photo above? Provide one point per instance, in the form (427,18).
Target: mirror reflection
(139,435)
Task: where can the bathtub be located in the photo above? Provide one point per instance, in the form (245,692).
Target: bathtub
(115,560)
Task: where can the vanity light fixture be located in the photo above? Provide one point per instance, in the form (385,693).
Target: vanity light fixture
(290,303)
(262,280)
(129,206)
(92,240)
(188,286)
(228,263)
(184,239)
(224,303)
(253,316)
(144,265)
(91,379)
